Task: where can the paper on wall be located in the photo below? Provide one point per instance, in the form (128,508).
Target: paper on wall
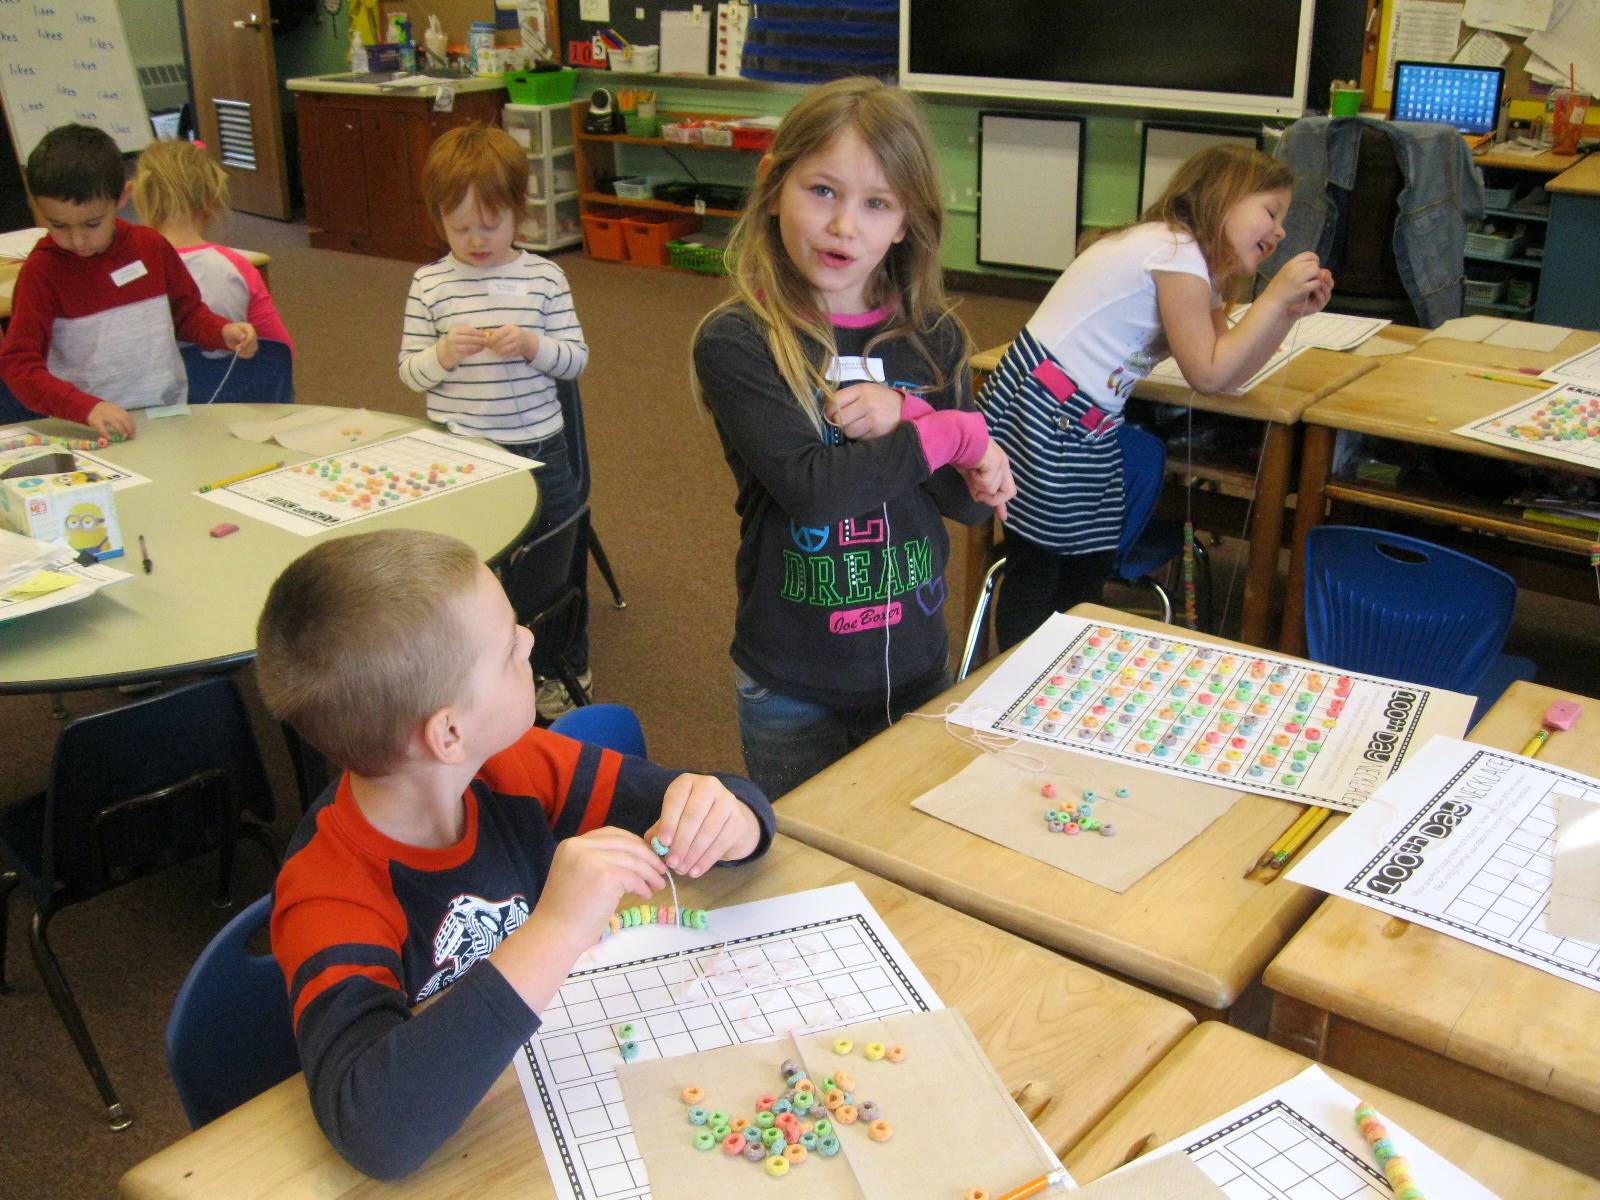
(1421,31)
(1573,36)
(1519,17)
(1483,49)
(685,43)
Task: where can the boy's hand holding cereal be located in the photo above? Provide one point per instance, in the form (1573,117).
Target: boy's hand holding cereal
(459,343)
(864,411)
(588,877)
(108,419)
(512,341)
(990,481)
(1301,287)
(702,823)
(240,337)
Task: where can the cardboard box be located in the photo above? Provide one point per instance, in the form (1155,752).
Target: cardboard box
(73,507)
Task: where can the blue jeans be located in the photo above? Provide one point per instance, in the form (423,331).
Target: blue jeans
(559,498)
(788,740)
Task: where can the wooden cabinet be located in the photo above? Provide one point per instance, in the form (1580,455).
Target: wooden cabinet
(361,162)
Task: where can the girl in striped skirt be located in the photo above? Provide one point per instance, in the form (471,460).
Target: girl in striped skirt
(1133,296)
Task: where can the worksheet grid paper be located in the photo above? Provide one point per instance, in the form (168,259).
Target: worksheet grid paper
(1507,897)
(750,990)
(1276,1154)
(1568,421)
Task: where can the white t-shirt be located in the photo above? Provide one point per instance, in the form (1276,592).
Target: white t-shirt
(1101,321)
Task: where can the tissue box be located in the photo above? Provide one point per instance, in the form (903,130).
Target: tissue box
(74,508)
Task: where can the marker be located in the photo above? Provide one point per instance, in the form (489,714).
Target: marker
(144,554)
(222,483)
(1560,715)
(1533,383)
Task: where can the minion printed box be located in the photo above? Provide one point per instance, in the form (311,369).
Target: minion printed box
(49,497)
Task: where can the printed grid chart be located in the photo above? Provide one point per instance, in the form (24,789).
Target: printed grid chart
(1507,897)
(339,490)
(835,972)
(1562,423)
(1275,1153)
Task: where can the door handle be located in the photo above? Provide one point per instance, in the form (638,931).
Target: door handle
(253,22)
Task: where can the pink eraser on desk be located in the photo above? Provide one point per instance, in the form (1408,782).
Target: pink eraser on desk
(223,530)
(1562,714)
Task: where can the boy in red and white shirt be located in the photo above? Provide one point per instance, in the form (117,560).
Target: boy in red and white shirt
(100,304)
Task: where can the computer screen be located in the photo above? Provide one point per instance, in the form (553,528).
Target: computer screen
(1466,97)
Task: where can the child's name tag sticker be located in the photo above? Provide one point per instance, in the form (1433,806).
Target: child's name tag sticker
(507,287)
(853,368)
(125,275)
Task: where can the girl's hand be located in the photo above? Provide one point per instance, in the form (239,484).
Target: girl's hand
(864,411)
(1296,288)
(507,341)
(702,823)
(108,419)
(240,337)
(990,481)
(458,343)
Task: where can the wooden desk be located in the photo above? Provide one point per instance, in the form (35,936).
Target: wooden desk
(1194,927)
(11,268)
(1263,471)
(1217,1068)
(1451,1025)
(1084,1039)
(1420,398)
(196,611)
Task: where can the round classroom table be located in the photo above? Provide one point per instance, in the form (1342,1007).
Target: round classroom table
(196,611)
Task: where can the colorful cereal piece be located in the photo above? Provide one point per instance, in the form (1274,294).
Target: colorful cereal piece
(693,1094)
(764,1105)
(1108,831)
(868,1110)
(896,1054)
(705,1140)
(1071,829)
(880,1131)
(733,1145)
(1048,791)
(845,1114)
(739,1124)
(843,1045)
(781,1105)
(794,1154)
(828,1146)
(875,1051)
(977,1193)
(809,1139)
(772,1138)
(659,846)
(698,1115)
(822,1128)
(843,1080)
(777,1165)
(718,1118)
(630,1051)
(626,1033)
(754,1150)
(765,1119)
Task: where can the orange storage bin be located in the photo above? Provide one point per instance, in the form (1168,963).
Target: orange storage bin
(603,236)
(649,233)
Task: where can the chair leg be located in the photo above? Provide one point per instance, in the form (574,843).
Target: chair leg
(1161,594)
(8,883)
(604,563)
(1208,598)
(67,1009)
(574,688)
(979,624)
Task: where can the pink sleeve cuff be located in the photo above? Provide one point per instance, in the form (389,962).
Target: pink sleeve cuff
(913,407)
(952,437)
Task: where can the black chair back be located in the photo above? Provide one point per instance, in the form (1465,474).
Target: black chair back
(538,578)
(577,438)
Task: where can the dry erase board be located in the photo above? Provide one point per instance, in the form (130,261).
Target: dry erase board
(1168,147)
(1030,189)
(67,62)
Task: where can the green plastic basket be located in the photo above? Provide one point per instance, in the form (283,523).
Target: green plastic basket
(541,87)
(708,260)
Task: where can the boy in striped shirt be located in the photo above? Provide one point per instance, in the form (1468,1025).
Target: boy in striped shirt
(490,328)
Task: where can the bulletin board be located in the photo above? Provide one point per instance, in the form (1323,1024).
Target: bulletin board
(67,62)
(623,16)
(1030,189)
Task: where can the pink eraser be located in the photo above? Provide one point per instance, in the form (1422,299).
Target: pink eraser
(225,529)
(1562,714)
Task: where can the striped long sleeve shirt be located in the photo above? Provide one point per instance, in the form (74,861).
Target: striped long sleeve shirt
(507,400)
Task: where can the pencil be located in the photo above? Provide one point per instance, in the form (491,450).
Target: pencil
(1283,838)
(1533,383)
(1314,823)
(222,483)
(1034,1186)
(1536,744)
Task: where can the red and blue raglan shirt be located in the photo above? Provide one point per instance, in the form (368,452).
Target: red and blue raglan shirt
(104,327)
(366,927)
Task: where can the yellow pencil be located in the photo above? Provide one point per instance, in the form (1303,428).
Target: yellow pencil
(1518,379)
(1314,823)
(222,483)
(1283,839)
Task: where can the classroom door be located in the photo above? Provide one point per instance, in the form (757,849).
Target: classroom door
(235,77)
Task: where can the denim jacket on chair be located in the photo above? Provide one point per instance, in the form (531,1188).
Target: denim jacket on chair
(1442,191)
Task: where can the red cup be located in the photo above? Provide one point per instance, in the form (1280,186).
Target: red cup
(1570,109)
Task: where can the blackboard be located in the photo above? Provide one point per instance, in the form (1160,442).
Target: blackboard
(641,31)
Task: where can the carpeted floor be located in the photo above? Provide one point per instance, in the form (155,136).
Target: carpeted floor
(662,501)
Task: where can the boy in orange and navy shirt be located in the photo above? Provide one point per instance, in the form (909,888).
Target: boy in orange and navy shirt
(100,304)
(463,856)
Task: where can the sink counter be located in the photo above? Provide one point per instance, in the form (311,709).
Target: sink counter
(366,83)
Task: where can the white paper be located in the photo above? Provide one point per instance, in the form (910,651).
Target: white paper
(1582,368)
(1168,371)
(1465,329)
(1189,707)
(1562,423)
(1483,49)
(22,556)
(19,243)
(1462,841)
(1382,347)
(685,43)
(298,498)
(90,580)
(1299,1141)
(1575,881)
(1421,31)
(1514,16)
(1528,335)
(1541,71)
(806,961)
(120,478)
(1573,37)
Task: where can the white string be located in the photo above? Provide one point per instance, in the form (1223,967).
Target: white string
(888,600)
(1001,745)
(224,381)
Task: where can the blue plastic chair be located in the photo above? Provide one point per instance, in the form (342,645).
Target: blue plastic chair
(268,378)
(231,1036)
(614,726)
(1398,606)
(12,410)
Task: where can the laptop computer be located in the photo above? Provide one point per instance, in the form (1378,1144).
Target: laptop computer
(1463,96)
